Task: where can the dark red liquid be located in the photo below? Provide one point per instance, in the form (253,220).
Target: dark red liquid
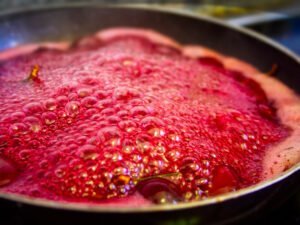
(106,121)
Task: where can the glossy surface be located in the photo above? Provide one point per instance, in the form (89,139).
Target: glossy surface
(91,123)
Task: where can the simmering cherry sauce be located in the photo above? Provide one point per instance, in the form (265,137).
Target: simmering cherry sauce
(128,116)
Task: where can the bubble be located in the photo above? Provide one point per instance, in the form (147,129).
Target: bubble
(113,119)
(89,81)
(159,191)
(123,114)
(244,146)
(116,157)
(60,171)
(189,164)
(50,104)
(18,128)
(245,137)
(189,177)
(157,164)
(205,163)
(125,94)
(188,195)
(136,158)
(61,113)
(7,172)
(156,132)
(94,116)
(49,118)
(128,62)
(80,140)
(139,111)
(72,96)
(33,123)
(160,149)
(201,182)
(108,133)
(101,94)
(16,116)
(83,92)
(32,108)
(173,155)
(143,143)
(89,101)
(150,122)
(72,108)
(43,164)
(88,152)
(25,154)
(127,125)
(120,171)
(105,103)
(136,102)
(174,137)
(108,111)
(127,149)
(61,100)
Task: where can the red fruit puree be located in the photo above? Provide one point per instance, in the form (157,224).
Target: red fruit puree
(130,117)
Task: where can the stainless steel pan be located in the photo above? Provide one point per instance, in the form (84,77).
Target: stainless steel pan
(71,22)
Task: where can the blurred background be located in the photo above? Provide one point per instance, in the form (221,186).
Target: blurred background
(278,19)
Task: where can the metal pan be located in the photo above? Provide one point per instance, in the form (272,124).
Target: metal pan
(71,22)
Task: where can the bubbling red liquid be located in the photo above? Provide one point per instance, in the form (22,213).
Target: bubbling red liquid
(128,116)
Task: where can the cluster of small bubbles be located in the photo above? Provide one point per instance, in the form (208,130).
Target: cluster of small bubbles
(164,126)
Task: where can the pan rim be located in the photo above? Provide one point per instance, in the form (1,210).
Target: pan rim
(83,207)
